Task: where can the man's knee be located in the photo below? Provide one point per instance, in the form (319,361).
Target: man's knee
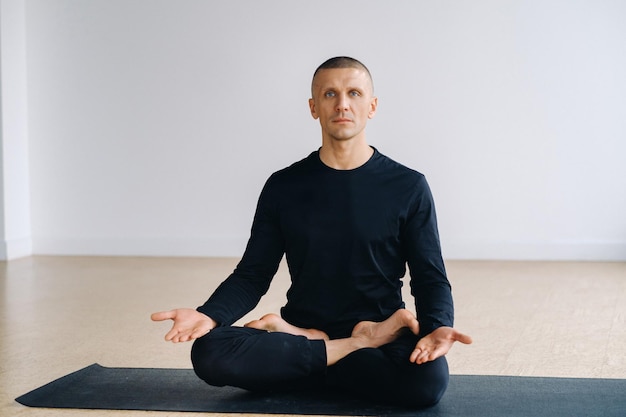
(370,373)
(425,384)
(255,359)
(211,355)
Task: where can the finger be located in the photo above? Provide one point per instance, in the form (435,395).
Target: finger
(181,337)
(422,357)
(463,338)
(198,333)
(414,355)
(437,353)
(424,344)
(188,337)
(163,315)
(172,334)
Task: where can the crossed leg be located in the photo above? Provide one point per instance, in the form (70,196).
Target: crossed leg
(373,362)
(366,334)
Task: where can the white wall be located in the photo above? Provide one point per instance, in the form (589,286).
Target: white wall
(15,227)
(154,124)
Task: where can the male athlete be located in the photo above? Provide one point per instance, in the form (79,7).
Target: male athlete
(349,220)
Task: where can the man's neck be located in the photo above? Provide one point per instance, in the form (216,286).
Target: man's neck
(344,155)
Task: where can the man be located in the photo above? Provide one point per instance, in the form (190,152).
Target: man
(349,220)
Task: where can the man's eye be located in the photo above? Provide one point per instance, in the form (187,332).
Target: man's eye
(329,94)
(355,93)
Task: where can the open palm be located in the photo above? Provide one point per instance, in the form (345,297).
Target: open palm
(189,324)
(437,344)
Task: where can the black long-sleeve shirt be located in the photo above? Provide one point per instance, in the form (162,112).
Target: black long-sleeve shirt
(347,236)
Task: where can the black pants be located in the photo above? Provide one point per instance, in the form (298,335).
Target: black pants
(258,360)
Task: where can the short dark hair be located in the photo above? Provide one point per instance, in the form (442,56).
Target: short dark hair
(342,62)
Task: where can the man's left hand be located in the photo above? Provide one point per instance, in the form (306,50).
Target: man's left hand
(437,344)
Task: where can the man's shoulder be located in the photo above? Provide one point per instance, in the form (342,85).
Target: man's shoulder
(304,164)
(395,168)
(293,172)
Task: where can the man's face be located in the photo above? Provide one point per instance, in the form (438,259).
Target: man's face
(342,100)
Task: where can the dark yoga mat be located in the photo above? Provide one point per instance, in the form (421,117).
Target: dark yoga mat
(97,387)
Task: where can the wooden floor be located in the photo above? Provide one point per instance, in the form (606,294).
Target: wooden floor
(60,314)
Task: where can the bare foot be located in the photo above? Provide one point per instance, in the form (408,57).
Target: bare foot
(274,323)
(375,334)
(370,334)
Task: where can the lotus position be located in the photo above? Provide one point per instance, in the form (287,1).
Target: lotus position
(349,220)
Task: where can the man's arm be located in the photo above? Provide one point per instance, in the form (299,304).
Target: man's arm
(429,284)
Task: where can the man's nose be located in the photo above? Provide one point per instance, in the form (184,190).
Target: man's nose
(342,103)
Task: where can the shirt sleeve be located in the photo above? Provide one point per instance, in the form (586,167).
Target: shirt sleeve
(429,283)
(251,279)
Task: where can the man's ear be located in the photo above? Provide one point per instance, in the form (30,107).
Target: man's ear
(312,108)
(373,107)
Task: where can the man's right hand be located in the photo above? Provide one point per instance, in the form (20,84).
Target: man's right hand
(189,324)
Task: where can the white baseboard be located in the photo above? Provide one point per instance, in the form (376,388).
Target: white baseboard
(233,246)
(15,248)
(215,247)
(612,251)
